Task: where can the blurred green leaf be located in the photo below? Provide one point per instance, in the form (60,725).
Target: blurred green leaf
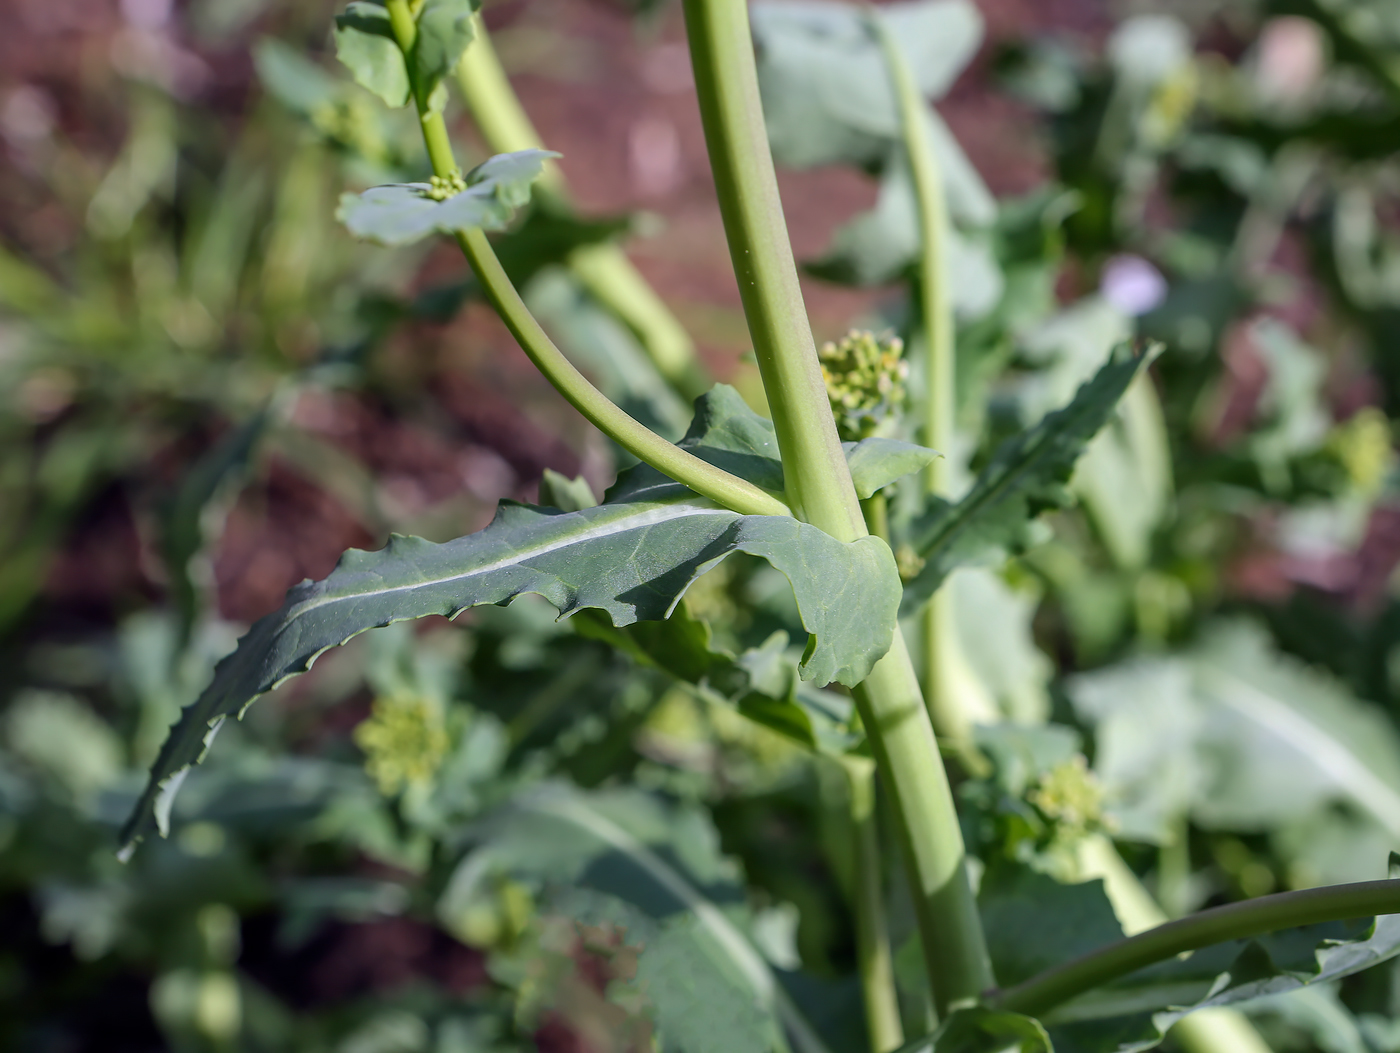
(979,1030)
(364,42)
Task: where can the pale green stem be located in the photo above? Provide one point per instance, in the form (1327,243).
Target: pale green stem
(940,682)
(1204,1031)
(718,485)
(876,510)
(874,964)
(1234,921)
(819,486)
(604,269)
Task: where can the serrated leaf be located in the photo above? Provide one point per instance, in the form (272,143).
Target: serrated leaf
(444,31)
(980,1030)
(631,558)
(877,462)
(364,43)
(402,213)
(1027,475)
(624,858)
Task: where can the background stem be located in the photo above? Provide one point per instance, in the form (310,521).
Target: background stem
(874,964)
(603,268)
(820,491)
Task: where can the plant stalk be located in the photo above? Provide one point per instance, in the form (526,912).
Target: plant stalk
(720,486)
(1234,921)
(820,491)
(950,718)
(874,964)
(603,269)
(1218,1030)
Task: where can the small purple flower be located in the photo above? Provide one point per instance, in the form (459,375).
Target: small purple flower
(1132,285)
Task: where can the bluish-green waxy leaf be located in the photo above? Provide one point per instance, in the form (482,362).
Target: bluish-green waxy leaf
(297,82)
(365,43)
(444,31)
(1027,475)
(631,558)
(402,213)
(627,860)
(877,462)
(567,495)
(980,1030)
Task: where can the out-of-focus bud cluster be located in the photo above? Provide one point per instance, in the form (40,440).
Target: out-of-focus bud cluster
(440,188)
(404,741)
(865,379)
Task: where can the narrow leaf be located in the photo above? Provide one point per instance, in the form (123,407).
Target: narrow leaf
(364,43)
(1028,474)
(402,213)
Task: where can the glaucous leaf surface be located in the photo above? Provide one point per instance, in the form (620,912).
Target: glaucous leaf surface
(444,31)
(877,462)
(625,859)
(402,213)
(631,558)
(1028,474)
(364,43)
(1237,736)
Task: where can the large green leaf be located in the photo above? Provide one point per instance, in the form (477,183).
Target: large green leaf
(402,213)
(631,558)
(364,42)
(626,859)
(1237,736)
(1027,474)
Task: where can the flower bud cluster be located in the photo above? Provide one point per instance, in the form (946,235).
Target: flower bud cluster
(865,377)
(440,188)
(404,741)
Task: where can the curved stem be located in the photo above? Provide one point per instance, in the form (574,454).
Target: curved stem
(820,491)
(874,964)
(643,443)
(603,268)
(1235,921)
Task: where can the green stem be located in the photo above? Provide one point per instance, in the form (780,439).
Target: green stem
(876,510)
(643,443)
(892,710)
(1235,921)
(1204,1031)
(603,269)
(950,719)
(874,964)
(726,81)
(705,479)
(819,486)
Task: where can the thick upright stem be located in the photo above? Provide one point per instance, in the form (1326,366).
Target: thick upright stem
(874,964)
(819,486)
(604,269)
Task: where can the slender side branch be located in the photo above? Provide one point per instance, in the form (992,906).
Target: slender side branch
(1235,921)
(604,269)
(720,486)
(875,966)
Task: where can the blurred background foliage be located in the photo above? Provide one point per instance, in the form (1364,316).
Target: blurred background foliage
(210,390)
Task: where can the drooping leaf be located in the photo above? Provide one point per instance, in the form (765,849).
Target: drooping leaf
(625,859)
(365,43)
(632,558)
(980,1030)
(402,213)
(877,462)
(444,31)
(1027,475)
